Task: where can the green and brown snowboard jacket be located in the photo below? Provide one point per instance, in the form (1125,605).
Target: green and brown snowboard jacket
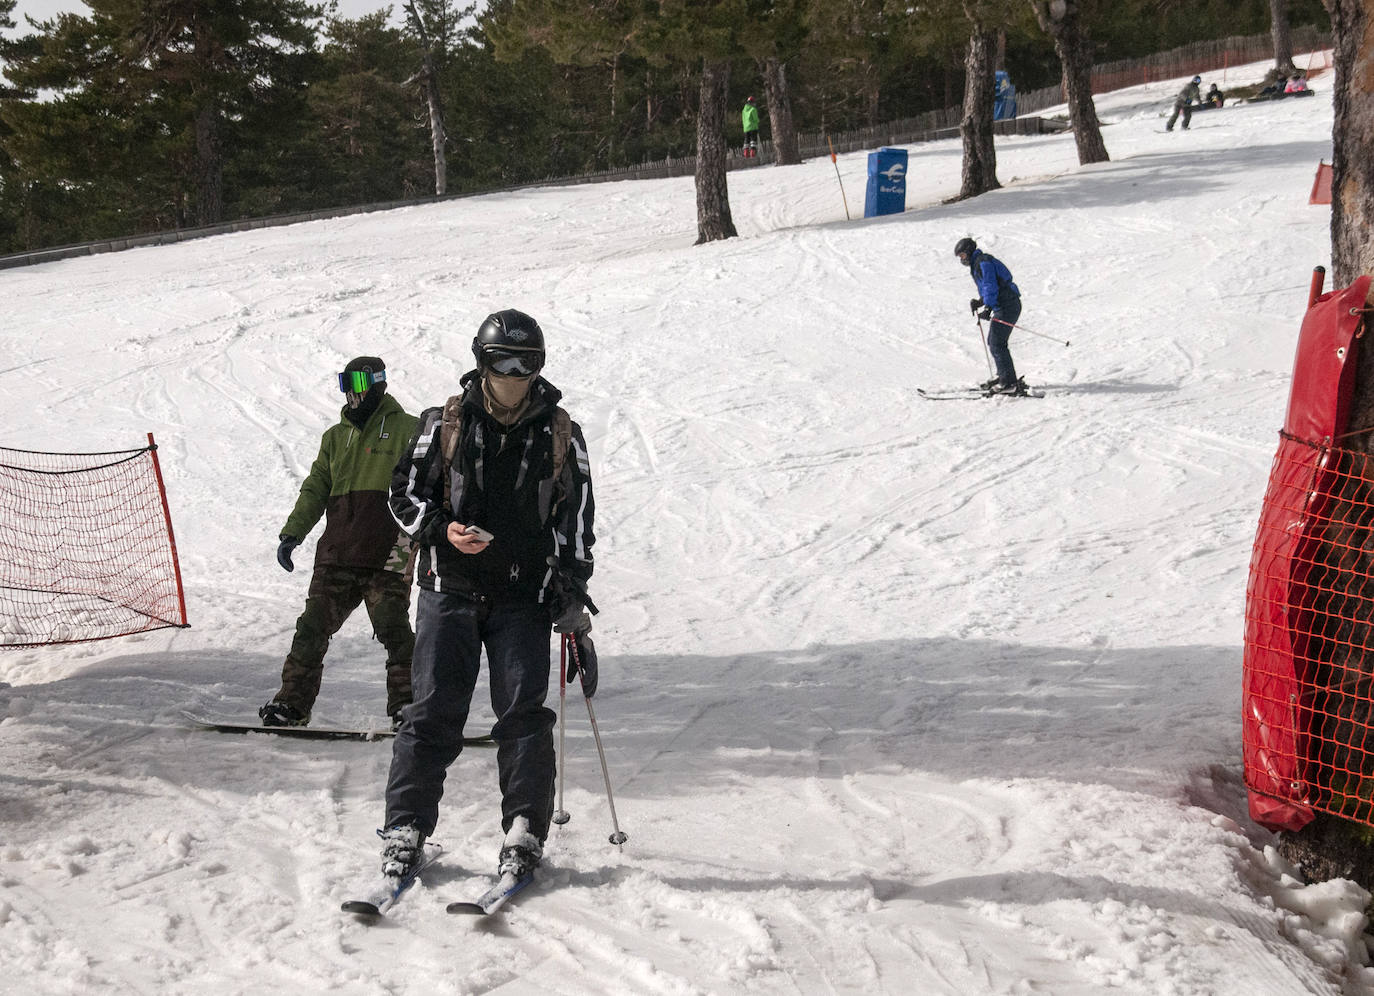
(349,484)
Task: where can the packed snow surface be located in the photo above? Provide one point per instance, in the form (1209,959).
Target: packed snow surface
(897,696)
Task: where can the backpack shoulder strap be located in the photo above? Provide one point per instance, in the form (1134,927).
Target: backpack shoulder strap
(562,439)
(450,433)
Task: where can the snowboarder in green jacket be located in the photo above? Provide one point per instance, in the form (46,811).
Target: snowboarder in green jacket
(362,555)
(750,117)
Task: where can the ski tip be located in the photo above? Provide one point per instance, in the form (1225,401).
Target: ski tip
(360,907)
(471,909)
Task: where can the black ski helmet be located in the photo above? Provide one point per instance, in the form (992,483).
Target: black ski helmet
(511,343)
(1197,79)
(965,247)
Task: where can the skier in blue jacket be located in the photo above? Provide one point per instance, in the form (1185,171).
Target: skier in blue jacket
(998,300)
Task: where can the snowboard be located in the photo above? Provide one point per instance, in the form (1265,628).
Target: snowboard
(312,732)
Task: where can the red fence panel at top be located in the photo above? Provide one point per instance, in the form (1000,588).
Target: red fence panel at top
(1278,607)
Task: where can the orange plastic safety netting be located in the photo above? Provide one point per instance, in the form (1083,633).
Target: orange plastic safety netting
(1309,636)
(86,547)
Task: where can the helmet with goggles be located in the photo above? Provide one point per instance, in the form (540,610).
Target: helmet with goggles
(509,343)
(360,375)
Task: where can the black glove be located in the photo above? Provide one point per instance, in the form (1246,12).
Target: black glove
(568,602)
(572,616)
(985,314)
(284,548)
(583,660)
(974,304)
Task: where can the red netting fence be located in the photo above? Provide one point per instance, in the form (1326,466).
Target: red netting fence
(1310,632)
(86,547)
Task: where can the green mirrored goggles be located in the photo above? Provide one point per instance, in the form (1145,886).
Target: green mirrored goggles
(358,381)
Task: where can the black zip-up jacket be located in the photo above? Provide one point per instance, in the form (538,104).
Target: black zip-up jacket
(501,479)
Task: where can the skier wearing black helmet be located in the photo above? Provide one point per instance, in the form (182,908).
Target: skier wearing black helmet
(495,488)
(1190,94)
(998,301)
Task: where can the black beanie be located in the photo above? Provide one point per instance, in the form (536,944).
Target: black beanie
(373,363)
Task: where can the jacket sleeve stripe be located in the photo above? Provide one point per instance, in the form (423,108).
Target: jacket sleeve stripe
(416,490)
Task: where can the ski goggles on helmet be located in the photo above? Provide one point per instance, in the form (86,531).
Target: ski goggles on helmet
(513,362)
(358,381)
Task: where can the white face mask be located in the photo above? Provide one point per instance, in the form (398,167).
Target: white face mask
(508,391)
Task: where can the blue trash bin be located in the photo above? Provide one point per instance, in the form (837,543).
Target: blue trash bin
(886,183)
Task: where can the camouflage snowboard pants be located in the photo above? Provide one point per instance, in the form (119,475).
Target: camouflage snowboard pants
(334,593)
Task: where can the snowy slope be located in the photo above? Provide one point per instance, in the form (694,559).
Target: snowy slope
(897,696)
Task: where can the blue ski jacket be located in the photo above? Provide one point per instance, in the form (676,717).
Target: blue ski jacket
(993,280)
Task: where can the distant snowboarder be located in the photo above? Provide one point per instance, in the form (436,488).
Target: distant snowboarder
(1183,103)
(998,300)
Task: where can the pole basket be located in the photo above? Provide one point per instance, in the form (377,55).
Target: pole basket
(86,547)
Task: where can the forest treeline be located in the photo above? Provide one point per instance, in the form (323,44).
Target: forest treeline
(149,115)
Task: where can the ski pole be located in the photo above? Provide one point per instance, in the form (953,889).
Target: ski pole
(837,176)
(986,355)
(1062,342)
(618,836)
(560,815)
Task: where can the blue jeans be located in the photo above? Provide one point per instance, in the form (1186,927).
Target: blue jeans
(998,333)
(450,632)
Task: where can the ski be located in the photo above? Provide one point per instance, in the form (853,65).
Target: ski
(389,890)
(972,393)
(312,732)
(954,392)
(495,897)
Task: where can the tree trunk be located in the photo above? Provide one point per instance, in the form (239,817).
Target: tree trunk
(975,127)
(209,153)
(872,85)
(1283,37)
(428,77)
(1352,136)
(779,97)
(614,130)
(209,168)
(713,195)
(1063,23)
(437,134)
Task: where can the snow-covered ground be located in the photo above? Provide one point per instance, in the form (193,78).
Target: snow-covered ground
(898,696)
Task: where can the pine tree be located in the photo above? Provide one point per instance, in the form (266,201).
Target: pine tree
(1063,20)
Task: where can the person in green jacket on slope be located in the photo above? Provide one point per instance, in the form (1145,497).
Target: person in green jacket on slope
(750,117)
(362,555)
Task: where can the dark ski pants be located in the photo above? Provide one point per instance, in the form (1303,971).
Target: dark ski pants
(1187,116)
(999,331)
(334,593)
(451,630)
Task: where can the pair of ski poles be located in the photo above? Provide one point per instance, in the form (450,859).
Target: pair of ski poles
(983,335)
(566,646)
